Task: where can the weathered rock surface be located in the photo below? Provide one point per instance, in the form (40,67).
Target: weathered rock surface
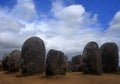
(55,63)
(14,61)
(0,65)
(69,66)
(92,63)
(77,63)
(110,57)
(5,62)
(33,56)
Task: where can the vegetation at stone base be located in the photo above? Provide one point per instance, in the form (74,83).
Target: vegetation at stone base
(63,71)
(28,70)
(48,72)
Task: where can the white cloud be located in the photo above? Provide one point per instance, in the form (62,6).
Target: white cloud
(115,23)
(13,22)
(70,29)
(114,27)
(24,10)
(8,22)
(112,34)
(73,11)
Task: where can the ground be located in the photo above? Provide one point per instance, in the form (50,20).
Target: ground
(69,78)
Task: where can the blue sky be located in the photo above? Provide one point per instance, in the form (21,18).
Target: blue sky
(66,25)
(105,9)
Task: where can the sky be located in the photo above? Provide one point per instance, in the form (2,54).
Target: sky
(65,25)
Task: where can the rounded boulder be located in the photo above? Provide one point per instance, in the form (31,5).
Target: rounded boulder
(14,61)
(76,63)
(55,63)
(110,57)
(5,62)
(33,56)
(92,63)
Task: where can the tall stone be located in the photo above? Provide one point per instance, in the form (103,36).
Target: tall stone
(67,66)
(14,61)
(5,62)
(77,63)
(110,58)
(33,56)
(55,63)
(92,63)
(0,65)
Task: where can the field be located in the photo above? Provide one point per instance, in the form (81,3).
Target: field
(70,78)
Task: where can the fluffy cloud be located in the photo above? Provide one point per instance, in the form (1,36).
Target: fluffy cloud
(112,32)
(114,28)
(69,30)
(8,22)
(12,23)
(25,10)
(115,23)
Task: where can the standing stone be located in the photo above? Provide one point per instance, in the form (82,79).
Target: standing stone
(66,65)
(14,61)
(33,56)
(5,62)
(69,66)
(0,65)
(109,55)
(55,63)
(91,59)
(77,63)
